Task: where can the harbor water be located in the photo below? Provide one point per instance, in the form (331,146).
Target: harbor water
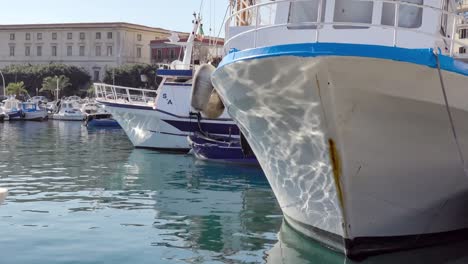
(87,196)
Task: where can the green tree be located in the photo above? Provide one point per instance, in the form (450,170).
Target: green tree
(33,76)
(16,88)
(129,75)
(50,84)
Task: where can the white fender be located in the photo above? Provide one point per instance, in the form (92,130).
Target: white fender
(202,87)
(215,106)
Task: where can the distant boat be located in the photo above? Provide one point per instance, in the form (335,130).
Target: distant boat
(32,111)
(220,148)
(96,116)
(68,112)
(12,109)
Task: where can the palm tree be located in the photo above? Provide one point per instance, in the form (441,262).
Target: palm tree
(16,88)
(50,84)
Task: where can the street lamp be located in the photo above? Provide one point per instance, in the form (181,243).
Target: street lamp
(3,79)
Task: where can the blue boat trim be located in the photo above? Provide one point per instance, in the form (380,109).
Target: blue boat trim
(213,128)
(181,73)
(177,84)
(424,57)
(149,108)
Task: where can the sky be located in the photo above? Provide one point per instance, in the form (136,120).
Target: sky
(172,14)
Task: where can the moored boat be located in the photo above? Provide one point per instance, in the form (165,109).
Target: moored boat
(67,111)
(162,119)
(12,109)
(356,112)
(220,149)
(33,112)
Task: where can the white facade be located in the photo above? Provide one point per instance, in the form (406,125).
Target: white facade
(93,46)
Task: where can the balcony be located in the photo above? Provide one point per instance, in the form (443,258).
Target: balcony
(463,6)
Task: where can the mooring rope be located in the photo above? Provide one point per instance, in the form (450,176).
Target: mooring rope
(449,112)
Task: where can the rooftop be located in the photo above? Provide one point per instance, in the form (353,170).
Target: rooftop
(84,25)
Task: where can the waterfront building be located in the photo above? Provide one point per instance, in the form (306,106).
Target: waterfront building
(93,46)
(462,31)
(165,51)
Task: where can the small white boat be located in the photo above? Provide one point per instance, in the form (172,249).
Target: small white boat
(67,111)
(32,111)
(12,109)
(3,194)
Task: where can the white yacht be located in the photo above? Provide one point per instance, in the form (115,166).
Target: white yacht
(68,111)
(162,119)
(356,111)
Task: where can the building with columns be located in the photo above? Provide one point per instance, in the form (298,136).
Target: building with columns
(93,46)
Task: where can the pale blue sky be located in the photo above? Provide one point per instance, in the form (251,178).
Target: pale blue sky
(172,14)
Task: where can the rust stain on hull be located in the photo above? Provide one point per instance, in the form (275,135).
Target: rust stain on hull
(337,169)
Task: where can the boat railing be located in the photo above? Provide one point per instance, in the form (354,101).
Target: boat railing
(258,12)
(121,94)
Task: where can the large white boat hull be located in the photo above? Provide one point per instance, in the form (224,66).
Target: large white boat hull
(147,127)
(357,150)
(143,127)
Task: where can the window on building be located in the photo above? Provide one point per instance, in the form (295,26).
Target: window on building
(82,35)
(12,51)
(54,51)
(54,36)
(12,36)
(159,54)
(69,35)
(109,50)
(39,51)
(28,36)
(463,33)
(98,50)
(462,50)
(109,35)
(96,76)
(69,50)
(139,37)
(27,51)
(82,50)
(172,54)
(39,36)
(138,52)
(98,35)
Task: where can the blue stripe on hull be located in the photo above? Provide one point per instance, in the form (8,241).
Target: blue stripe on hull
(149,108)
(213,128)
(417,56)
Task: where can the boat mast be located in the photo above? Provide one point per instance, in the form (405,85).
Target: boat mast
(190,42)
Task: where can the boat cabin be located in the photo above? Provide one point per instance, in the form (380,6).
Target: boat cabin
(29,107)
(405,23)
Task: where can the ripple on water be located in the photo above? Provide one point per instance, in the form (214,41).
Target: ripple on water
(86,197)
